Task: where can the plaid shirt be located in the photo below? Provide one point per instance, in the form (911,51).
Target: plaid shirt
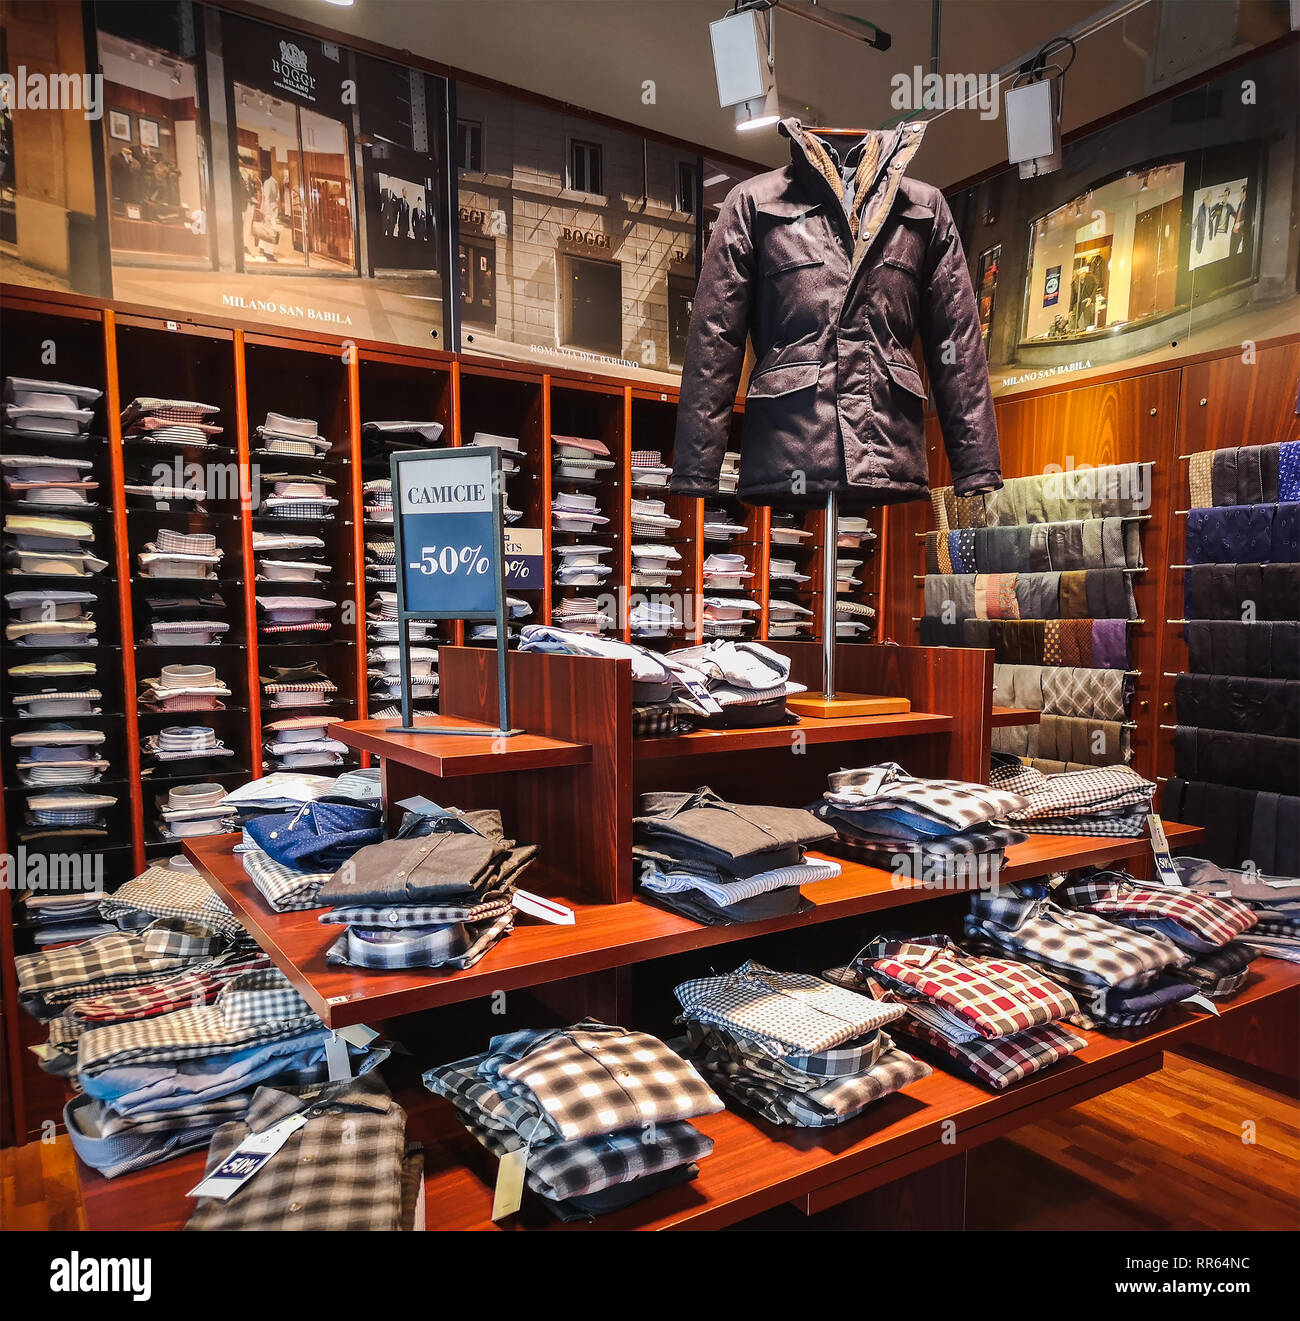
(800,1072)
(161,892)
(252,1009)
(1099,952)
(997,997)
(560,1169)
(414,915)
(286,890)
(341,1171)
(956,803)
(196,986)
(1081,793)
(1220,973)
(592,1079)
(1119,896)
(781,1013)
(1004,1060)
(834,1103)
(452,945)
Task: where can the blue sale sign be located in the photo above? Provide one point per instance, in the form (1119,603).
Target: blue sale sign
(450,542)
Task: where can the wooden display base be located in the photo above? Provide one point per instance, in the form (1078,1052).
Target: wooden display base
(820,707)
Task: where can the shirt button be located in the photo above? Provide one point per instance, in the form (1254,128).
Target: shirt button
(306,1160)
(295,1206)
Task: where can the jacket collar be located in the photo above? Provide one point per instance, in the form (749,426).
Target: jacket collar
(882,159)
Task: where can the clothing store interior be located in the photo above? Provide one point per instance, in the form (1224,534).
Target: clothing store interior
(803,498)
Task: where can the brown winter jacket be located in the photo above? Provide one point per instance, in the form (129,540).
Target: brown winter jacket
(835,401)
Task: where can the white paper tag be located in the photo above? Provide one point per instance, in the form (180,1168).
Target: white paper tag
(1284,883)
(509,1192)
(1208,1005)
(1160,848)
(357,1034)
(547,909)
(246,1159)
(336,1058)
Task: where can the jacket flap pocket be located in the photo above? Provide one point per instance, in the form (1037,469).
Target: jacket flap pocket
(785,379)
(795,263)
(908,377)
(788,210)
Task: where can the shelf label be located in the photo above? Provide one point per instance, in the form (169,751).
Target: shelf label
(525,565)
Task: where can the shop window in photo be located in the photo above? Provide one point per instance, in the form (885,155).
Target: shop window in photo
(478,282)
(469,146)
(156,152)
(688,176)
(586,167)
(592,304)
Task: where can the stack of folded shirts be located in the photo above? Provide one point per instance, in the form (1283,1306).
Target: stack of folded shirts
(440,895)
(298,686)
(785,573)
(651,520)
(1274,900)
(581,614)
(725,572)
(379,439)
(281,434)
(184,688)
(153,1088)
(728,616)
(787,619)
(852,618)
(649,469)
(1121,977)
(187,615)
(61,919)
(580,458)
(721,526)
(580,565)
(52,700)
(572,511)
(188,632)
(182,422)
(511,451)
(184,743)
(989,1019)
(654,618)
(603,1112)
(304,495)
(719,862)
(794,1048)
(64,813)
(788,530)
(52,408)
(292,571)
(384,670)
(299,742)
(289,791)
(58,755)
(172,888)
(734,684)
(919,828)
(180,555)
(729,474)
(381,621)
(294,614)
(377,501)
(191,810)
(381,559)
(268,544)
(846,574)
(652,564)
(290,854)
(1101,800)
(48,480)
(1206,926)
(851,531)
(50,618)
(516,608)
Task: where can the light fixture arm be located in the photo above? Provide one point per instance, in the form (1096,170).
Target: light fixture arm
(846,25)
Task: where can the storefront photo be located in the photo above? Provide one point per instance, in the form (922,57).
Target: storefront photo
(630,615)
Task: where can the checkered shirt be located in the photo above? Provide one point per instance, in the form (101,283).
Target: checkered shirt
(286,890)
(1004,1060)
(593,1079)
(834,1103)
(956,802)
(1125,825)
(198,986)
(1071,793)
(161,892)
(800,1072)
(997,997)
(781,1013)
(399,916)
(654,721)
(418,947)
(562,1169)
(341,1171)
(1117,895)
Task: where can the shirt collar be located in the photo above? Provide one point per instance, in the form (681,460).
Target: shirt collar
(272,1104)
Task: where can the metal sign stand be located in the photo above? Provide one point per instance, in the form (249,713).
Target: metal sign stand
(461,564)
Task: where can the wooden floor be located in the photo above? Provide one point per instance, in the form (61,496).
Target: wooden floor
(1166,1152)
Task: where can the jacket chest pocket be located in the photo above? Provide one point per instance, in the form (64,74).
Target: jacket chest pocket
(790,241)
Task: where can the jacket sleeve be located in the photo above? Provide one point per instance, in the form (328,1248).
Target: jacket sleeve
(715,351)
(956,362)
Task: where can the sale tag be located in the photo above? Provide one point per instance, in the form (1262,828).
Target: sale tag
(509,1192)
(1208,1005)
(547,909)
(246,1159)
(1160,848)
(525,557)
(336,1058)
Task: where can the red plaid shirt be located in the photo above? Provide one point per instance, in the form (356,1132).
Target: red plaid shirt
(1215,920)
(164,996)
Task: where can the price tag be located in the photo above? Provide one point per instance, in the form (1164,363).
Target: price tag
(358,1034)
(1208,1005)
(336,1058)
(509,1192)
(1160,848)
(246,1159)
(547,909)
